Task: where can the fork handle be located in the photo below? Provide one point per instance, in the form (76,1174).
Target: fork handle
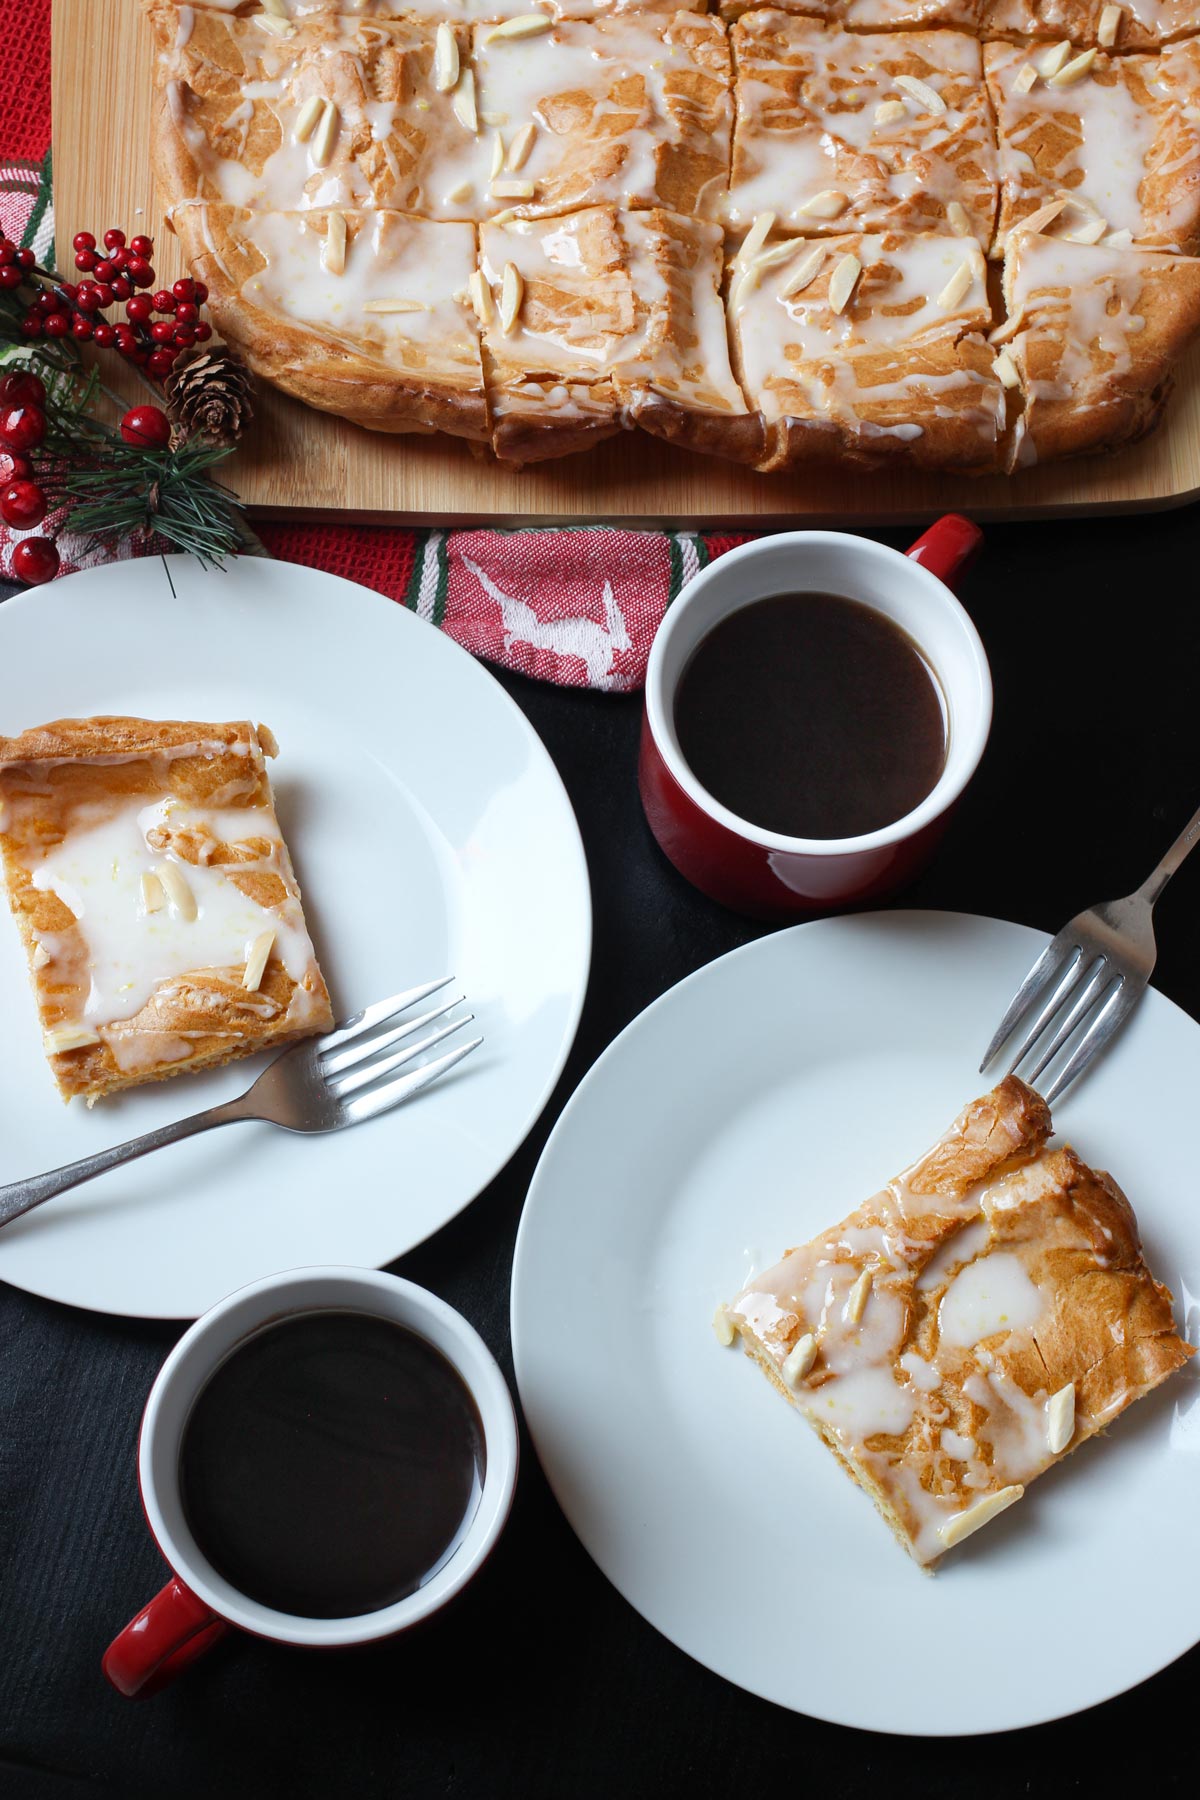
(22,1196)
(1154,884)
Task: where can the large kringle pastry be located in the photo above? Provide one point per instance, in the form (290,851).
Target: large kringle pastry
(983,1316)
(759,232)
(155,898)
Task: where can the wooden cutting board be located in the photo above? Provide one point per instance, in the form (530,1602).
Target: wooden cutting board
(298,460)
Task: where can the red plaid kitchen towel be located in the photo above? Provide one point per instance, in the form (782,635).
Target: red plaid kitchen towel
(579,607)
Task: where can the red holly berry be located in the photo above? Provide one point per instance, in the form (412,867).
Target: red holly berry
(22,427)
(164,301)
(103,271)
(46,303)
(140,272)
(160,363)
(121,288)
(201,293)
(21,387)
(142,246)
(104,335)
(185,337)
(10,277)
(81,328)
(86,299)
(202,332)
(186,313)
(121,258)
(14,467)
(139,308)
(31,326)
(58,325)
(22,505)
(162,331)
(35,560)
(113,239)
(146,426)
(86,260)
(103,293)
(185,289)
(83,240)
(25,259)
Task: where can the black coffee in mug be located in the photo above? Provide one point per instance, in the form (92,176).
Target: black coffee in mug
(331,1464)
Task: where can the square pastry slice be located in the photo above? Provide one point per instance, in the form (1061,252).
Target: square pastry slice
(1116,141)
(155,898)
(364,314)
(844,131)
(628,111)
(1091,338)
(983,1315)
(1132,25)
(603,318)
(877,15)
(871,347)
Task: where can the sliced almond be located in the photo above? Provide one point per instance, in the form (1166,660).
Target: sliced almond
(307,117)
(40,957)
(154,894)
(1026,78)
(830,203)
(964,1523)
(394,306)
(494,118)
(842,282)
(68,1037)
(888,111)
(775,254)
(256,961)
(1008,329)
(523,26)
(958,219)
(464,102)
(1073,71)
(922,93)
(481,297)
(799,1359)
(1090,233)
(497,162)
(177,890)
(512,292)
(1045,215)
(860,1293)
(1119,240)
(1110,24)
(744,282)
(461,194)
(325,135)
(1060,1419)
(518,150)
(1006,370)
(723,1326)
(445,58)
(1052,60)
(513,190)
(805,274)
(275,6)
(333,251)
(276,26)
(958,286)
(268,743)
(755,238)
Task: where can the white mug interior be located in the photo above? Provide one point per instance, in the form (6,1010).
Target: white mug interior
(211,1339)
(830,562)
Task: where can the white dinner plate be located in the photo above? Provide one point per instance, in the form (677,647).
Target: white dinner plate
(431,836)
(755,1103)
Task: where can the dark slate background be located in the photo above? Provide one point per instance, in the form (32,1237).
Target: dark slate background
(541,1680)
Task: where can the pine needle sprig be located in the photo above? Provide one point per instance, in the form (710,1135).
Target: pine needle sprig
(170,493)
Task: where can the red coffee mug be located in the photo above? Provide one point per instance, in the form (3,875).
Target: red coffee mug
(764,873)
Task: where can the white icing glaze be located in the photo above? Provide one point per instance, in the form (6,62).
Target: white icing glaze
(862,1405)
(1084,298)
(990,1295)
(962,1248)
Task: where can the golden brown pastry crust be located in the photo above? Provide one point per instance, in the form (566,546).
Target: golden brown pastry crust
(1143,24)
(72,775)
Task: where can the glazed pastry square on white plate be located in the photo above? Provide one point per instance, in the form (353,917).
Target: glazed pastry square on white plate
(1118,145)
(986,1313)
(870,346)
(843,131)
(155,897)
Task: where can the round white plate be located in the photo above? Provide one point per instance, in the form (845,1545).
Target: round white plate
(431,836)
(757,1102)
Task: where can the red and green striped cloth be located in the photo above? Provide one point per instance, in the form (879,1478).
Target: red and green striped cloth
(576,606)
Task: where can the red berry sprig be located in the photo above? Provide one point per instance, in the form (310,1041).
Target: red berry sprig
(23,503)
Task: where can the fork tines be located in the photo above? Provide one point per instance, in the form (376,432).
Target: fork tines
(358,1046)
(1074,998)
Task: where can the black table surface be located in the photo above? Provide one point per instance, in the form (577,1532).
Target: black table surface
(541,1680)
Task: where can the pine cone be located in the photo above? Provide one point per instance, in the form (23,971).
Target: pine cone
(210,393)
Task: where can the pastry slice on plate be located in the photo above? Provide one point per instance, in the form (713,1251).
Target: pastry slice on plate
(1092,335)
(986,1313)
(604,318)
(155,897)
(843,131)
(1131,25)
(365,314)
(869,346)
(1116,142)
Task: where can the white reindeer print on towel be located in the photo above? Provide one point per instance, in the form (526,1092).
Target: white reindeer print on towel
(594,644)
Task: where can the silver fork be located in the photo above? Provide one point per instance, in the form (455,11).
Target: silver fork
(319,1084)
(1088,980)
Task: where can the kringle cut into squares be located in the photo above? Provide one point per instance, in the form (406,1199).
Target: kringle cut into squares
(339,111)
(981,1317)
(871,348)
(155,898)
(838,131)
(631,112)
(603,318)
(1134,25)
(1093,335)
(1120,145)
(364,314)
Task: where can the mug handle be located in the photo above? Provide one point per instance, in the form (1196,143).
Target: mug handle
(165,1639)
(948,548)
